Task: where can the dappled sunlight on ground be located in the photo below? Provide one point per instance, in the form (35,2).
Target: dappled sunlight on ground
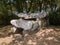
(45,36)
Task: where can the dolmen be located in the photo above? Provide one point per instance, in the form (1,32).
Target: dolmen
(29,22)
(25,23)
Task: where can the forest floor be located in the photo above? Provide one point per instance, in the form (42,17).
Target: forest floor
(46,36)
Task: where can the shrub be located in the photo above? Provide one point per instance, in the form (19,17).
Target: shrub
(5,19)
(54,17)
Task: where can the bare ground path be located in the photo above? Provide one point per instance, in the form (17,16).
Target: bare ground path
(46,36)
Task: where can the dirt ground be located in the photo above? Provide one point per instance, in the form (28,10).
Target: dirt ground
(46,36)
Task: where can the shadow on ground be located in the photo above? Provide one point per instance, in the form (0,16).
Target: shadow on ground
(45,36)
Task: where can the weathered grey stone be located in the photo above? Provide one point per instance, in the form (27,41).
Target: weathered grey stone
(22,24)
(27,21)
(39,15)
(35,26)
(25,24)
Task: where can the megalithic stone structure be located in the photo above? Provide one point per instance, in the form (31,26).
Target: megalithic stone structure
(29,22)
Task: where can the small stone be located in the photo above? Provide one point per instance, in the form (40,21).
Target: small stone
(30,42)
(50,38)
(26,35)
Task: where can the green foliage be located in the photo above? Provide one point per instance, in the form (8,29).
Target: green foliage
(5,19)
(54,17)
(6,12)
(33,5)
(6,8)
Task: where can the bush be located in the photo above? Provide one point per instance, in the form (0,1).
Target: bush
(5,19)
(54,17)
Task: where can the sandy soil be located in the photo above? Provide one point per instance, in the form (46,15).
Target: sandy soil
(46,36)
